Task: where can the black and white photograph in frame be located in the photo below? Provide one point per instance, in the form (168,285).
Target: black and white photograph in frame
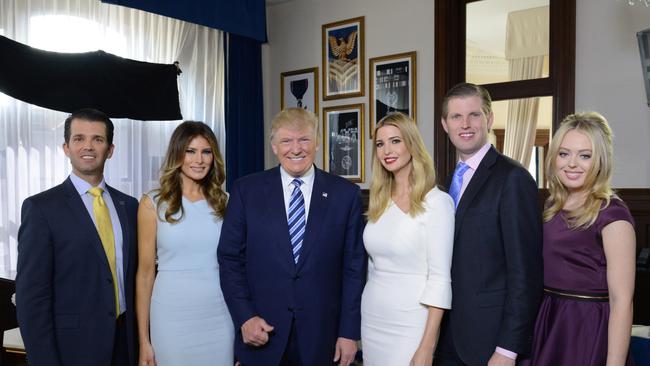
(392,86)
(343,147)
(299,89)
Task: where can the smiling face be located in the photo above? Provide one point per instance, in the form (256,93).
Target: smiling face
(295,149)
(392,152)
(88,149)
(467,125)
(198,159)
(574,160)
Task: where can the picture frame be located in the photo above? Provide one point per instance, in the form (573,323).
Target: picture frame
(343,44)
(343,141)
(393,86)
(299,88)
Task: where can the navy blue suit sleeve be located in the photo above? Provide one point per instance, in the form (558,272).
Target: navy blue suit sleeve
(354,272)
(521,228)
(34,287)
(231,254)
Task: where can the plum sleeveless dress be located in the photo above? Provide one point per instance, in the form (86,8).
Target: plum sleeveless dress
(571,326)
(190,323)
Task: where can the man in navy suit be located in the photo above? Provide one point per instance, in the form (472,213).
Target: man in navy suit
(67,307)
(291,257)
(496,269)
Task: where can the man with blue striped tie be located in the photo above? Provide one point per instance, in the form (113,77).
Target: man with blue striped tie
(291,257)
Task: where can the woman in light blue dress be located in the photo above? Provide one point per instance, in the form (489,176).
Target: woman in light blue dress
(182,316)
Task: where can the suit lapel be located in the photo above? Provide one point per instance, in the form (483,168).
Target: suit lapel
(81,215)
(277,216)
(479,178)
(317,211)
(120,207)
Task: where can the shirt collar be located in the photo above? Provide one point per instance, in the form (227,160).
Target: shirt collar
(82,186)
(307,178)
(476,159)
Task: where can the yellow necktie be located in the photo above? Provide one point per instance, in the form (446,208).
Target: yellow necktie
(105,229)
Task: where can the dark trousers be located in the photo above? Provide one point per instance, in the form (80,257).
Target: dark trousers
(120,348)
(446,354)
(291,356)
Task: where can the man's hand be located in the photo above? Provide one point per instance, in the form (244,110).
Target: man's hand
(498,359)
(345,351)
(255,331)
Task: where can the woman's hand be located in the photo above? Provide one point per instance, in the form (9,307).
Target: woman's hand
(422,357)
(146,355)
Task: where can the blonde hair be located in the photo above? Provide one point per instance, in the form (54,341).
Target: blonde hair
(422,177)
(170,193)
(597,184)
(295,119)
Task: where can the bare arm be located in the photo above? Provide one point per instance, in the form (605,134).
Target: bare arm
(147,224)
(424,354)
(619,243)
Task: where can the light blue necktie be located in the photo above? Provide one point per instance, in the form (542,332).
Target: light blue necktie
(296,219)
(457,181)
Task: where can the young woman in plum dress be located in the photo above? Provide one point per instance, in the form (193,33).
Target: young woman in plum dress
(589,246)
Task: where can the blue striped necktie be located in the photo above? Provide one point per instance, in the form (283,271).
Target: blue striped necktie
(457,181)
(296,219)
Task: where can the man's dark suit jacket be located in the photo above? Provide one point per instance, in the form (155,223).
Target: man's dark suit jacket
(497,262)
(259,277)
(64,289)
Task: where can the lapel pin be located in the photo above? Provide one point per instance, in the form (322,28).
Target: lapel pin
(325,194)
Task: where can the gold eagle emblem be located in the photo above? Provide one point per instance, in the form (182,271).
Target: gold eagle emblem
(342,48)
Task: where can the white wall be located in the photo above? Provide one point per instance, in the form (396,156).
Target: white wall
(294,31)
(608,68)
(609,80)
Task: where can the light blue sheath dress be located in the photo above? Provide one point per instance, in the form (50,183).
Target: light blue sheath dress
(190,323)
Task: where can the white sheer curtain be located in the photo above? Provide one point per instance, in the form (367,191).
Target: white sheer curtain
(31,156)
(527,42)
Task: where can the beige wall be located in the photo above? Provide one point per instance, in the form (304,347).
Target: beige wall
(609,80)
(608,70)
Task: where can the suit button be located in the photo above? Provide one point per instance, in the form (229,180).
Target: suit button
(296,277)
(109,280)
(290,308)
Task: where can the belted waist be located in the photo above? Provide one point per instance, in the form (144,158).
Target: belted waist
(574,295)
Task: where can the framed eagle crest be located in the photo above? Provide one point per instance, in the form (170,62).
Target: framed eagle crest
(343,59)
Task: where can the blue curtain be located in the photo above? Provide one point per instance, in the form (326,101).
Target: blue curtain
(243,17)
(244,108)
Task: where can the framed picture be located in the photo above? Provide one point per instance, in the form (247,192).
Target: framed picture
(343,149)
(299,89)
(392,86)
(343,59)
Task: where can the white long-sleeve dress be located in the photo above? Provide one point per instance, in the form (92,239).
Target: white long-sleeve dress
(408,269)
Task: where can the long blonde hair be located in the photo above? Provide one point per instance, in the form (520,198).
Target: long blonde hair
(422,177)
(597,184)
(170,193)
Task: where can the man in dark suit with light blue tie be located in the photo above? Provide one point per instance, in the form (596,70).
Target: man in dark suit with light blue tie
(76,259)
(291,257)
(496,268)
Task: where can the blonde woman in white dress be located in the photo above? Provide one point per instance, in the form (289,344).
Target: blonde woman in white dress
(409,240)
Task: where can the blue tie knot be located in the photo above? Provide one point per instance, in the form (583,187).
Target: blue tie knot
(297,182)
(461,168)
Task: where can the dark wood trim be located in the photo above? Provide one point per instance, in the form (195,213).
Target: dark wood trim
(542,138)
(449,69)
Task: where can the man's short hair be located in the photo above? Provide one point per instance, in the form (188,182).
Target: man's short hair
(92,115)
(294,118)
(464,90)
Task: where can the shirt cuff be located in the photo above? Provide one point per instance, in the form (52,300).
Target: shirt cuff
(511,355)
